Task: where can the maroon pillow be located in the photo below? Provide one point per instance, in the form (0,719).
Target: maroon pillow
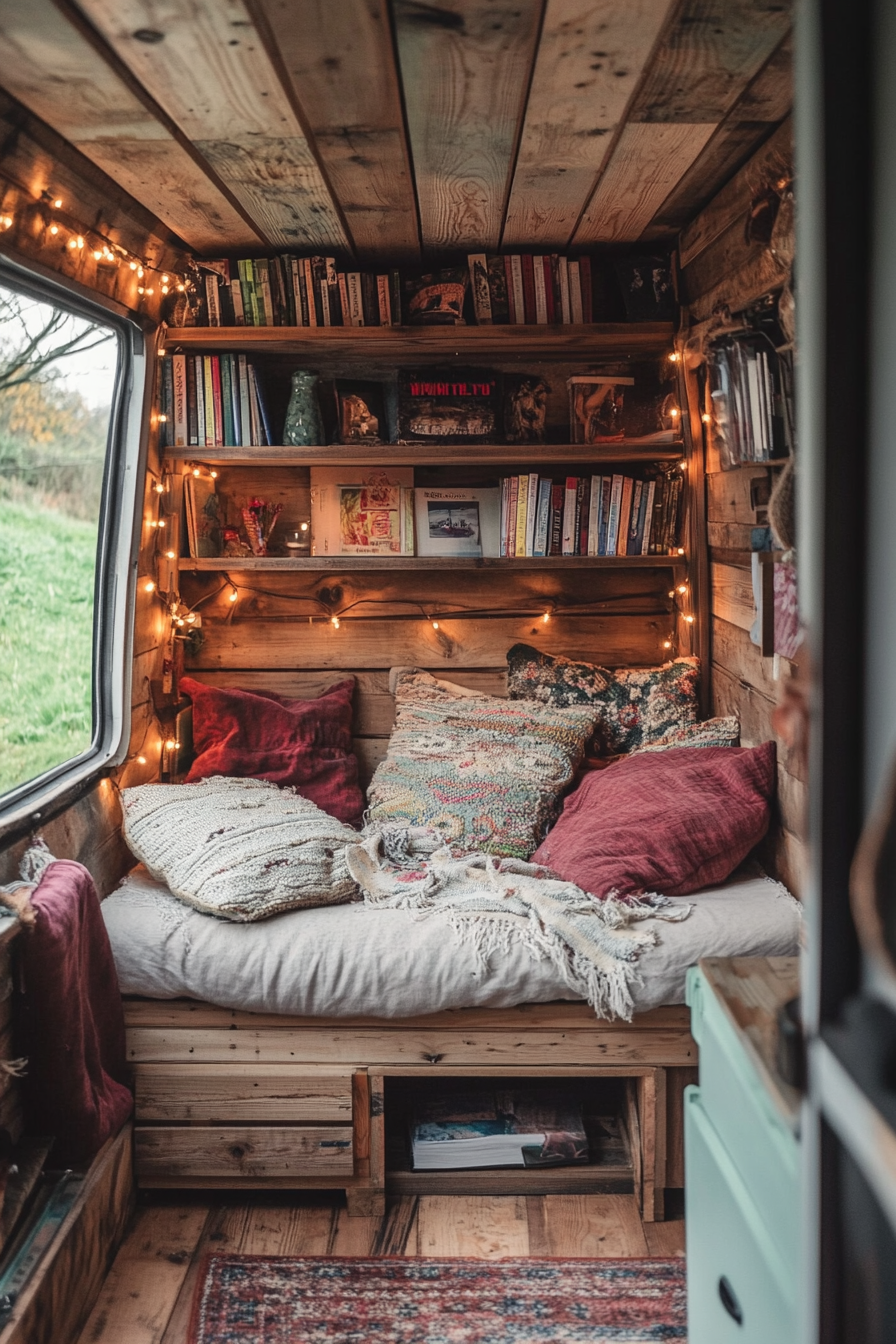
(259,735)
(670,822)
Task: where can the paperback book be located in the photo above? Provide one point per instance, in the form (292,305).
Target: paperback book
(457,522)
(498,1129)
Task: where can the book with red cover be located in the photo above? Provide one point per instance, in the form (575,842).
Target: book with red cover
(529,288)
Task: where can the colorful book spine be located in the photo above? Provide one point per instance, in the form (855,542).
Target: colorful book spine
(522,504)
(355,299)
(217,401)
(477,264)
(613,515)
(584,513)
(542,518)
(531,513)
(512,501)
(384,300)
(625,514)
(180,428)
(519,300)
(541,301)
(569,516)
(558,495)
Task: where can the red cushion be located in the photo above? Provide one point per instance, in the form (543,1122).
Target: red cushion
(258,735)
(670,822)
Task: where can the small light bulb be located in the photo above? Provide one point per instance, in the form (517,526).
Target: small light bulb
(232,597)
(667,643)
(177,746)
(72,244)
(706,418)
(672,594)
(57,204)
(163,419)
(690,620)
(180,289)
(681,550)
(303,527)
(149,586)
(141,760)
(140,289)
(133,265)
(546,617)
(169,555)
(151,522)
(334,621)
(179,621)
(164,289)
(96,254)
(195,471)
(674,412)
(54,229)
(79,241)
(160,523)
(682,587)
(159,487)
(214,475)
(435,625)
(170,744)
(150,290)
(164,279)
(139,272)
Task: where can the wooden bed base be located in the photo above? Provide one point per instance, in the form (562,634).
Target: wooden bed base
(230,1099)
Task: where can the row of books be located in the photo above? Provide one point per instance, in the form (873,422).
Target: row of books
(747,400)
(291,291)
(212,401)
(590,515)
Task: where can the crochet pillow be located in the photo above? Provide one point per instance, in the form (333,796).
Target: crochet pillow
(709,733)
(486,772)
(239,848)
(258,735)
(668,823)
(633,705)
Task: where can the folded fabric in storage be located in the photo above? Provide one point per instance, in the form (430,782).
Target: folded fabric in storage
(238,848)
(486,772)
(632,705)
(670,822)
(306,744)
(710,733)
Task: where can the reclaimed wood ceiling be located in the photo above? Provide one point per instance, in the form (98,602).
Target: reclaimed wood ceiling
(390,129)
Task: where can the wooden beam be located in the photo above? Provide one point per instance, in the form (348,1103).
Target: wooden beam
(340,62)
(706,58)
(590,59)
(465,68)
(50,65)
(211,73)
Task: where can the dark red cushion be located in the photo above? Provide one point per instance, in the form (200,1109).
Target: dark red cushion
(670,822)
(259,735)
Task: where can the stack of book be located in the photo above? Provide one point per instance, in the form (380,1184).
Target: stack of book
(290,291)
(536,290)
(745,387)
(498,1129)
(590,515)
(212,401)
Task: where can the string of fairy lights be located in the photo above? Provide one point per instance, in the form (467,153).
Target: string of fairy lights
(54,224)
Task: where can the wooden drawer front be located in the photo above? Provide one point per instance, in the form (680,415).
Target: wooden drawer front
(209,1093)
(756,1136)
(244,1151)
(731,1254)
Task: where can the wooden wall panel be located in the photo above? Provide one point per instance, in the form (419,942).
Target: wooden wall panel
(465,68)
(52,67)
(590,58)
(212,75)
(340,62)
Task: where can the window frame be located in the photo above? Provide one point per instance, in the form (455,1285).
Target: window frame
(118,536)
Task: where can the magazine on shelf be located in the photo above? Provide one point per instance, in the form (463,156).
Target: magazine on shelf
(498,1129)
(457,522)
(354,511)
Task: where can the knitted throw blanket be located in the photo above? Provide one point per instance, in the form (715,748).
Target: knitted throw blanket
(490,900)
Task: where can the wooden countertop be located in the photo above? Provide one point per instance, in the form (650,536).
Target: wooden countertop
(750,991)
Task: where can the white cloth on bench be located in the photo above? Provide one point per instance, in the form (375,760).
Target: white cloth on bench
(351,960)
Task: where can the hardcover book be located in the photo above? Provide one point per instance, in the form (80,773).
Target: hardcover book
(500,1129)
(448,406)
(437,299)
(332,515)
(457,522)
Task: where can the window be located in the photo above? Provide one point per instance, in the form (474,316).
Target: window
(66,508)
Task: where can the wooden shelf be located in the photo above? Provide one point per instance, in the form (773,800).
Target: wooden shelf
(593,1179)
(427,454)
(405,344)
(355,563)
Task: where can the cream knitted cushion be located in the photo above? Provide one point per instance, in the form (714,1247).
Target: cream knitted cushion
(239,848)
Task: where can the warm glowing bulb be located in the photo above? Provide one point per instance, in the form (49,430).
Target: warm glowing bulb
(232,597)
(674,412)
(149,586)
(54,229)
(435,625)
(180,289)
(160,523)
(195,471)
(163,419)
(141,760)
(169,555)
(164,289)
(159,488)
(334,621)
(706,418)
(672,594)
(667,643)
(150,290)
(214,475)
(179,621)
(164,279)
(139,272)
(96,254)
(57,204)
(682,587)
(690,620)
(79,242)
(170,744)
(675,357)
(72,244)
(546,617)
(133,265)
(303,527)
(140,289)
(681,550)
(191,618)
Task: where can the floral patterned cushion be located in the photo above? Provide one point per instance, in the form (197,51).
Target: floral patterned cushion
(633,705)
(486,772)
(709,733)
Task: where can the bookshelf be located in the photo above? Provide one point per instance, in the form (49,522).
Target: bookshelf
(424,454)
(372,564)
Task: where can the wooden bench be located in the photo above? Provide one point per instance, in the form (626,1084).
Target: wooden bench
(227,1099)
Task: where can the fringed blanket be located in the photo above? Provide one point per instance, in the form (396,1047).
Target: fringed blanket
(490,901)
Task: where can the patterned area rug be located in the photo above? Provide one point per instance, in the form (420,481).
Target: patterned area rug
(258,1299)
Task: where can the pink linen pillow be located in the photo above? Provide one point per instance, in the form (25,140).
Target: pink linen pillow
(669,822)
(259,735)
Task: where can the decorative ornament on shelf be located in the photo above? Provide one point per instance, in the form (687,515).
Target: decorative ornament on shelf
(259,518)
(303,427)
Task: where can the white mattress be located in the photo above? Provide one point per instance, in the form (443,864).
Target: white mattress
(348,960)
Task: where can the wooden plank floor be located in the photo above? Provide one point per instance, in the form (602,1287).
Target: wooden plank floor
(147,1295)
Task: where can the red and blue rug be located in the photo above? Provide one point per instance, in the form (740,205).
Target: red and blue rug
(259,1299)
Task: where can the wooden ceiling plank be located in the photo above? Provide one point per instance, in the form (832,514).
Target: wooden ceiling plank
(763,106)
(649,159)
(708,57)
(772,160)
(50,67)
(591,55)
(340,61)
(465,68)
(211,74)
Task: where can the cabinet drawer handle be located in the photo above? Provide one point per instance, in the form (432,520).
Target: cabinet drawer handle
(729,1301)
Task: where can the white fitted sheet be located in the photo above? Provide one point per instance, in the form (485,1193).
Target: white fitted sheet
(350,960)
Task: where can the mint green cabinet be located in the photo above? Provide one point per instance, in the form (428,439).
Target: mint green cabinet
(742,1190)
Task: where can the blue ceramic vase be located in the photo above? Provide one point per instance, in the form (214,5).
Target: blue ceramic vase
(303,428)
